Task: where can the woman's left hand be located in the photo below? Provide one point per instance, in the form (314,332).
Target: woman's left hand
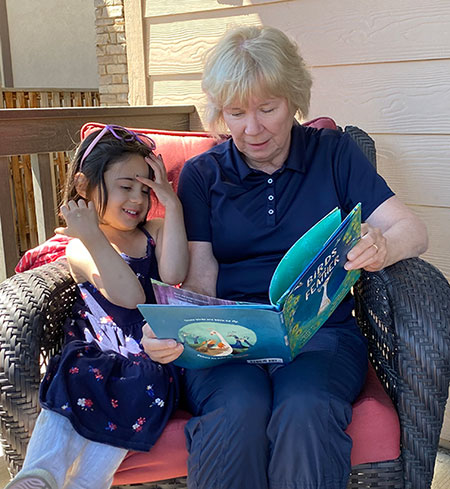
(160,184)
(370,253)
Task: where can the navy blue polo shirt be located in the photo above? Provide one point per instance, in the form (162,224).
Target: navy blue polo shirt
(252,218)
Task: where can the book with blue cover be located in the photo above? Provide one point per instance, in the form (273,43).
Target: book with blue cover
(308,284)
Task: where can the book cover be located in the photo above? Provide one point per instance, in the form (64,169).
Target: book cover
(306,287)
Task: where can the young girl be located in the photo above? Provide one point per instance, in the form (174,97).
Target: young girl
(104,396)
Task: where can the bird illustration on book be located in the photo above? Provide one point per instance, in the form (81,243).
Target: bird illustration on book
(325,299)
(214,347)
(239,343)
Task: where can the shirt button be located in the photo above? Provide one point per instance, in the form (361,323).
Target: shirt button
(270,197)
(270,211)
(270,180)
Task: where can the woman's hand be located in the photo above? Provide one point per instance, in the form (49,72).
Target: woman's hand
(370,252)
(81,220)
(162,351)
(160,184)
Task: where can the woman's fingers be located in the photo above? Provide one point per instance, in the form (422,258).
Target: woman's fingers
(370,252)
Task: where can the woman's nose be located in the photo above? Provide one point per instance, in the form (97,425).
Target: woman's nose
(252,125)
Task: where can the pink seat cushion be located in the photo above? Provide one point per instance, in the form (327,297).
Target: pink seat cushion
(375,431)
(375,427)
(166,460)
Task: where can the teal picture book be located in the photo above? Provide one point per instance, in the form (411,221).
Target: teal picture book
(308,284)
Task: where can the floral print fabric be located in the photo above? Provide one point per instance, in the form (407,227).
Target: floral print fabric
(103,381)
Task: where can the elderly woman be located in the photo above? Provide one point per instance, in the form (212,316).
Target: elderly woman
(246,201)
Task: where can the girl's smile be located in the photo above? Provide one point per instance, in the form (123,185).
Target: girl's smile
(128,199)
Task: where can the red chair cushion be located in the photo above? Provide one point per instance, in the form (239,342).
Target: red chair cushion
(375,431)
(375,428)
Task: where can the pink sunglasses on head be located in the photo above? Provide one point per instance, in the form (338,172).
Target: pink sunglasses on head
(129,136)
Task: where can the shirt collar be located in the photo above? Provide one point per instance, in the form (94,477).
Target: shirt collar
(295,160)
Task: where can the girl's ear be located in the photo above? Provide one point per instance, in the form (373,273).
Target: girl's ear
(81,184)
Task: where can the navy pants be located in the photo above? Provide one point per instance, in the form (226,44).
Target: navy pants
(277,427)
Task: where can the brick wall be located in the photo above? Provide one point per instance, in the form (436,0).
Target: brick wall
(111,52)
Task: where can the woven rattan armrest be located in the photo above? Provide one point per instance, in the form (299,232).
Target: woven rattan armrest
(33,306)
(404,310)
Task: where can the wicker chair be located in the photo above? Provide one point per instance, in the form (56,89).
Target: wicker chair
(404,310)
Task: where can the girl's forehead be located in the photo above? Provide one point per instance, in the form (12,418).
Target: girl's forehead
(130,166)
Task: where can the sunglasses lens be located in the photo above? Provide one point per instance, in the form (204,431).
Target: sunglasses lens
(143,138)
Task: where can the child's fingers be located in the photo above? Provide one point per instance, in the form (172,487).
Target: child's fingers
(147,331)
(162,351)
(157,158)
(158,167)
(147,182)
(81,204)
(172,356)
(72,205)
(61,231)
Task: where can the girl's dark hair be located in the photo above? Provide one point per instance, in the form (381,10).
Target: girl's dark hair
(108,151)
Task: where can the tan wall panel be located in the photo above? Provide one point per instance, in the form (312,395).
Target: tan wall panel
(438,224)
(328,32)
(176,92)
(397,98)
(53,43)
(416,167)
(362,31)
(445,433)
(156,8)
(179,47)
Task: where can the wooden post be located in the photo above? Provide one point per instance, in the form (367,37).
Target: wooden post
(8,249)
(44,195)
(5,47)
(137,76)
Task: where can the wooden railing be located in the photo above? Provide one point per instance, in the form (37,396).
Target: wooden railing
(15,98)
(43,132)
(20,165)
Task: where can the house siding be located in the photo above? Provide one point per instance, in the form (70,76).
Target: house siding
(383,66)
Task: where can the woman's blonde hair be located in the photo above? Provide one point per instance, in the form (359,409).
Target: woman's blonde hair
(254,61)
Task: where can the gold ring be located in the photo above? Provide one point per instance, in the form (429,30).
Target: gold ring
(376,247)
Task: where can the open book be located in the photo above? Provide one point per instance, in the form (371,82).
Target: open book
(306,287)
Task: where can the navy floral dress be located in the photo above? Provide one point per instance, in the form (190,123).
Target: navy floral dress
(103,382)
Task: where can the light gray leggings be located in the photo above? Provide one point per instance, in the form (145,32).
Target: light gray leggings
(74,461)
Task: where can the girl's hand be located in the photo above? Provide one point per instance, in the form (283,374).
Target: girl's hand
(370,252)
(160,184)
(81,219)
(162,351)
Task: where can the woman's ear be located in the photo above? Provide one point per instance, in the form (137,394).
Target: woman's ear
(81,184)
